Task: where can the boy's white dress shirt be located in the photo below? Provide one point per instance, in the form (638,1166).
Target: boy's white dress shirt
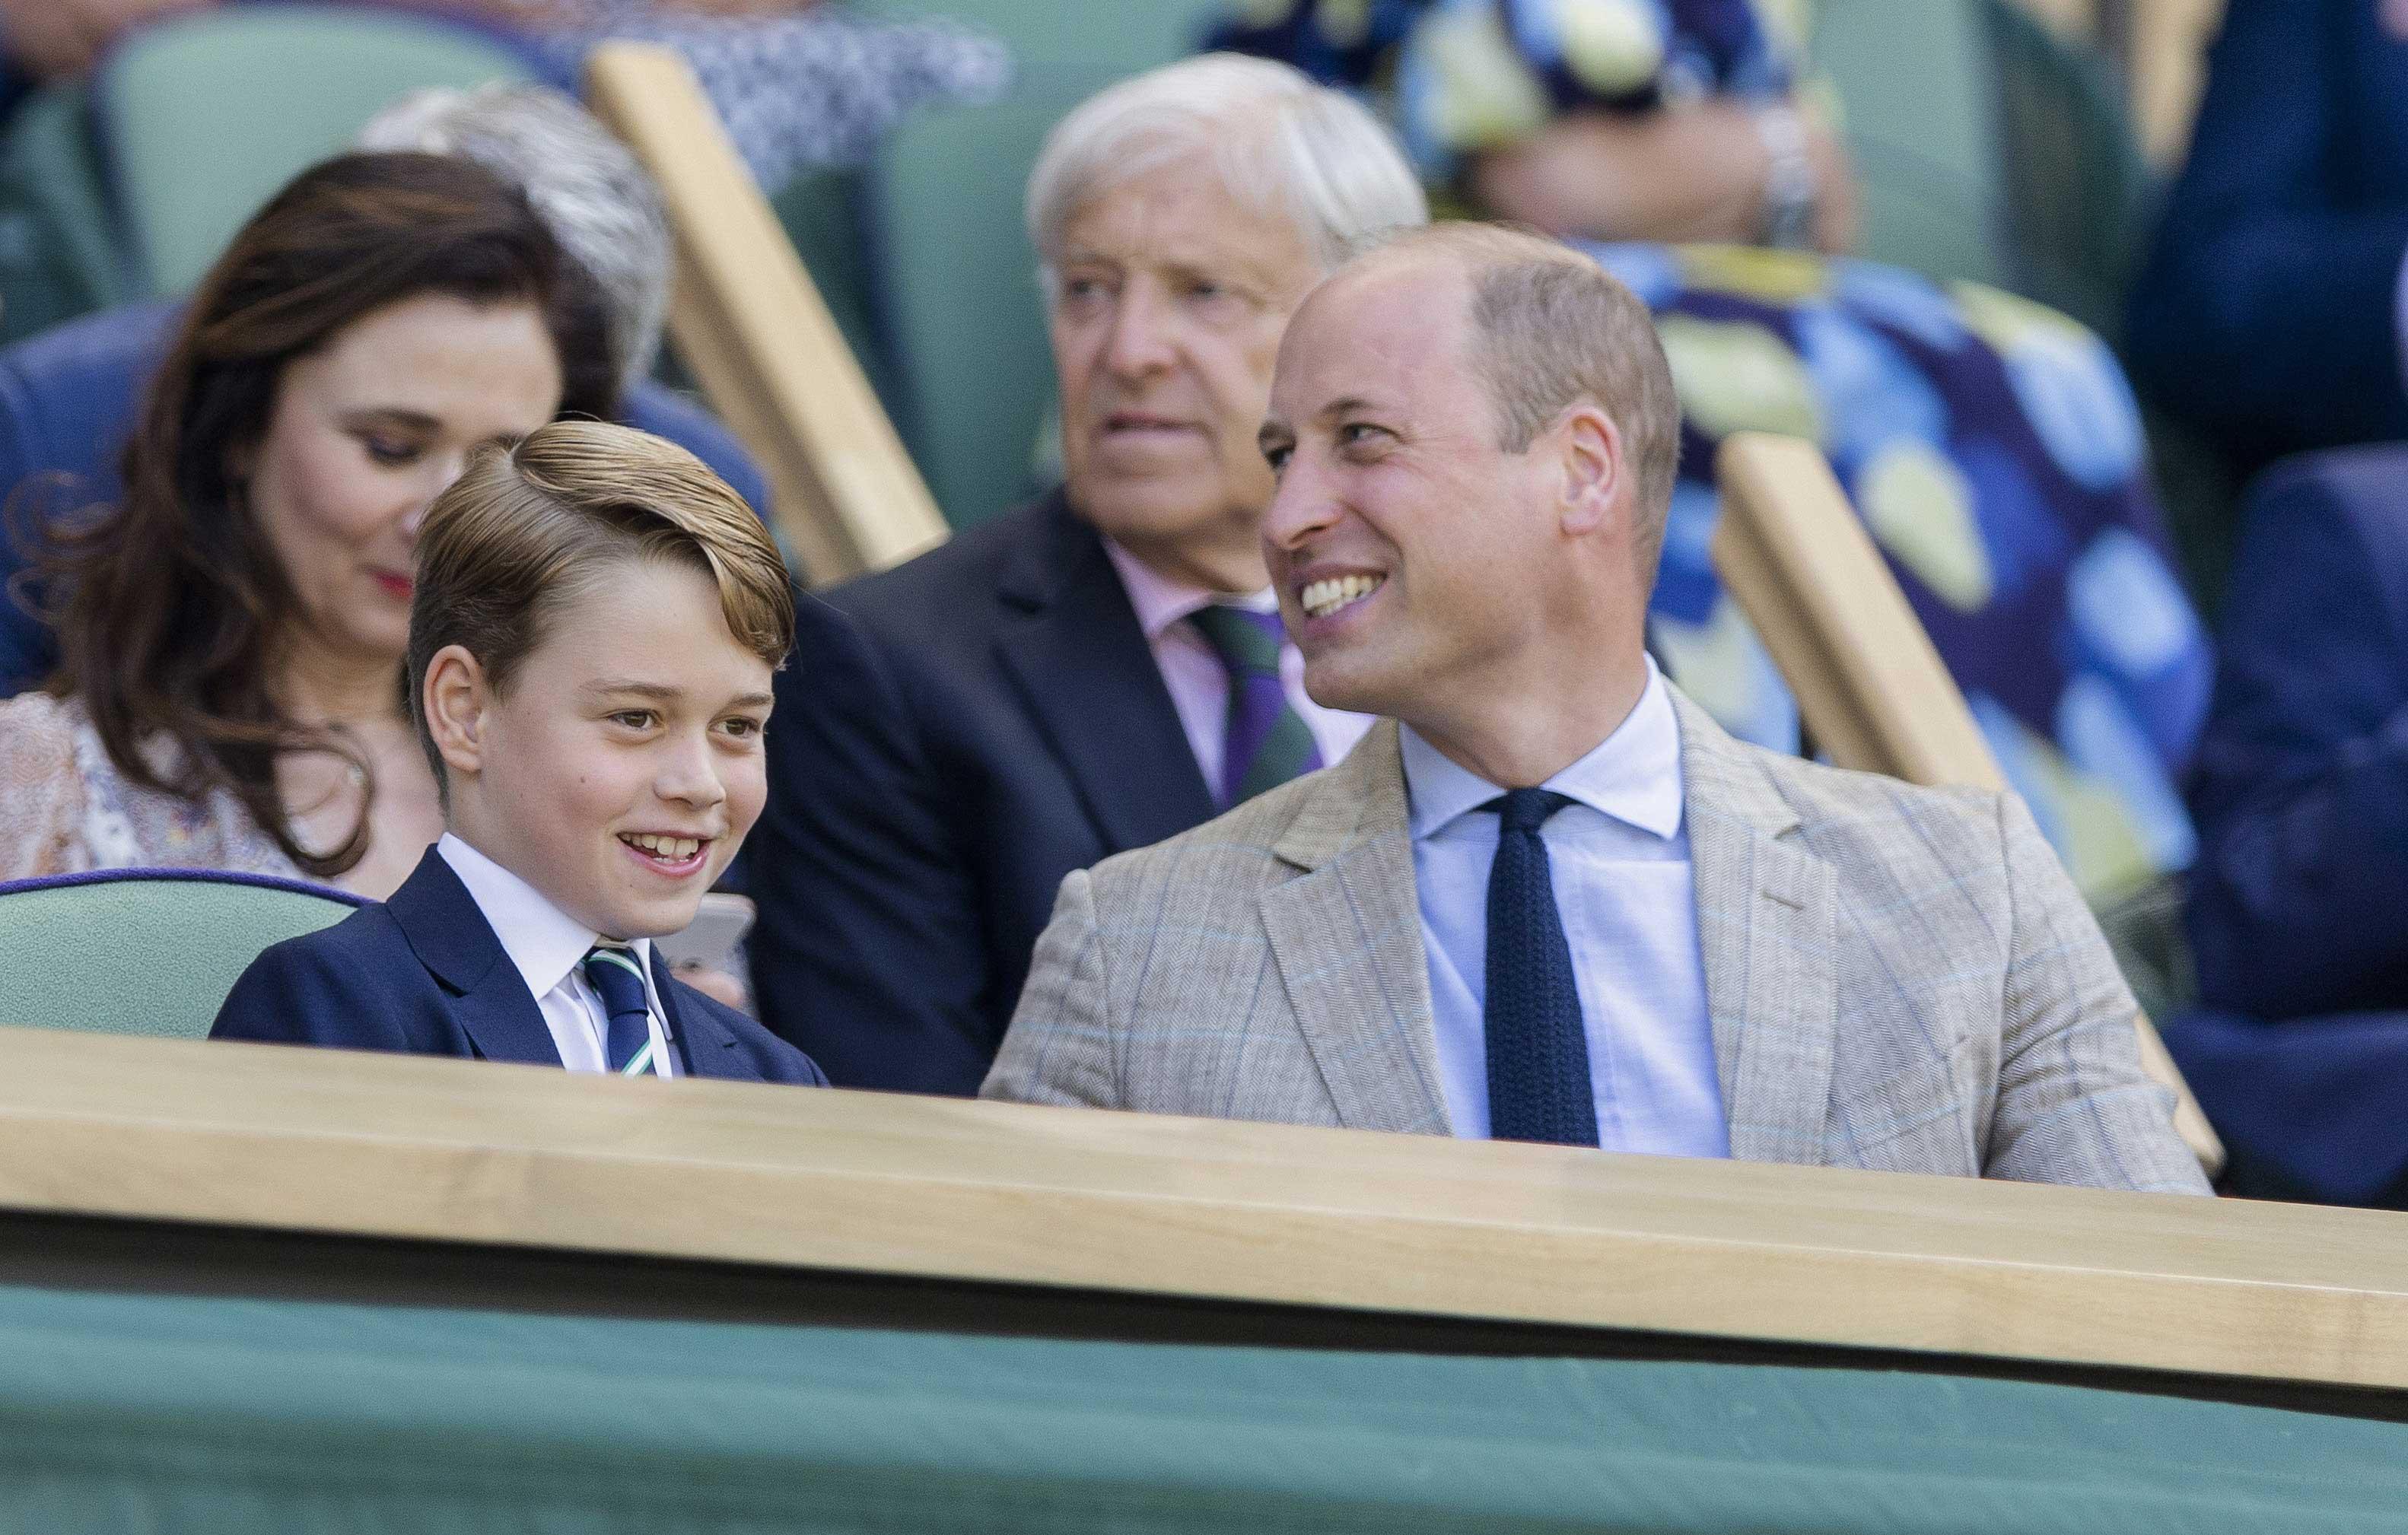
(549,947)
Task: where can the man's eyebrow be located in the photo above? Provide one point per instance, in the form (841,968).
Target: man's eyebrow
(751,701)
(1345,405)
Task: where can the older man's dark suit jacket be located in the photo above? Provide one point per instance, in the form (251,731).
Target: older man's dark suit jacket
(952,738)
(425,974)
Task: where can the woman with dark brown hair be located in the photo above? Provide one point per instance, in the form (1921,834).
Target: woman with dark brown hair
(231,632)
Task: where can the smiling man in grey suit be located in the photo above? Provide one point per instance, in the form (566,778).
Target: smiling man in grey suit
(1554,902)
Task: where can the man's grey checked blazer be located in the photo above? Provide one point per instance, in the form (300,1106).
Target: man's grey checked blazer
(1899,978)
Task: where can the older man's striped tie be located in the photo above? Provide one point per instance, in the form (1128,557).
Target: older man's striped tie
(1267,743)
(617,977)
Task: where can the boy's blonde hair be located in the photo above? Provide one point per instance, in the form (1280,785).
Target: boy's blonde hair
(523,533)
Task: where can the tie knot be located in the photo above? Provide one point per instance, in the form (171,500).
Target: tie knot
(617,978)
(1244,639)
(1527,809)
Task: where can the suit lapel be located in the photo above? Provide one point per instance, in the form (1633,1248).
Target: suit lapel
(451,938)
(1765,917)
(1083,668)
(1347,934)
(704,1046)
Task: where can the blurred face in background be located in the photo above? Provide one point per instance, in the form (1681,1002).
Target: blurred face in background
(1168,300)
(364,432)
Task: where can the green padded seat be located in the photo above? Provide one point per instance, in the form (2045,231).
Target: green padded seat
(145,950)
(59,247)
(203,118)
(201,1413)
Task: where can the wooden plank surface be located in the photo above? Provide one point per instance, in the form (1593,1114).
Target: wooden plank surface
(361,1145)
(1870,689)
(748,321)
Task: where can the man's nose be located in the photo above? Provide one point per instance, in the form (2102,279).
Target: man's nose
(1304,506)
(1141,339)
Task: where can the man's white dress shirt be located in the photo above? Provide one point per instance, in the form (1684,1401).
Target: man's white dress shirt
(1626,892)
(1199,683)
(549,947)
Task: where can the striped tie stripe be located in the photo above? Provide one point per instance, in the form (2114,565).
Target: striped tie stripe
(617,978)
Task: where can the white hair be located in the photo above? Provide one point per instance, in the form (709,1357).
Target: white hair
(585,185)
(1283,145)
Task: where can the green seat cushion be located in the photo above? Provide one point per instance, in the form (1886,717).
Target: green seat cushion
(147,953)
(207,1413)
(204,117)
(58,255)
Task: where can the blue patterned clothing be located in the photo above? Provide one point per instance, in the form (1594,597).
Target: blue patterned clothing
(1991,445)
(818,87)
(1458,75)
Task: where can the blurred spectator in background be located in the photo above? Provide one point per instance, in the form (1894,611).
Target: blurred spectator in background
(1991,445)
(1104,668)
(68,396)
(2270,314)
(2302,795)
(45,40)
(232,628)
(800,84)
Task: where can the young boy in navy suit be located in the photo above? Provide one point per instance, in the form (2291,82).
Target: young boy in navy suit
(592,637)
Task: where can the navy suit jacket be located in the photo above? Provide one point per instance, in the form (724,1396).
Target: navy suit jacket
(68,398)
(423,974)
(2265,312)
(2299,907)
(952,738)
(2300,788)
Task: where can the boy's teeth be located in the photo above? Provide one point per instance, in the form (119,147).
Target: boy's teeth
(668,847)
(1325,597)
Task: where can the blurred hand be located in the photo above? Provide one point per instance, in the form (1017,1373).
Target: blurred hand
(1838,208)
(54,39)
(1684,173)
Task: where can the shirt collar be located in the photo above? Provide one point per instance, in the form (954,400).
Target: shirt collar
(543,941)
(1633,775)
(1161,602)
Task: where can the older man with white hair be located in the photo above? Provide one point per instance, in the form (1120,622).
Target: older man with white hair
(1549,899)
(1104,668)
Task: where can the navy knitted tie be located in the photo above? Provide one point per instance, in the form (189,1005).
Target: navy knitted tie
(1537,1053)
(617,978)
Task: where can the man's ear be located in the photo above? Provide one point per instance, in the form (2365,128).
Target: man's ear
(1590,446)
(458,700)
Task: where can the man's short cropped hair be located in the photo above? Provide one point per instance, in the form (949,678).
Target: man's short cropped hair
(1549,326)
(1303,153)
(586,186)
(523,533)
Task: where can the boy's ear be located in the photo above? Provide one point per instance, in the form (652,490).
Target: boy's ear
(457,699)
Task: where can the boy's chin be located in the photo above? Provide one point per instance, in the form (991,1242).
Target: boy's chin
(657,916)
(645,915)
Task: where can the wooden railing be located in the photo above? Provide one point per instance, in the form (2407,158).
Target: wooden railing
(181,1139)
(745,317)
(1871,691)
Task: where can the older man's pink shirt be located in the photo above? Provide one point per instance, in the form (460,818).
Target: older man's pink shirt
(1199,684)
